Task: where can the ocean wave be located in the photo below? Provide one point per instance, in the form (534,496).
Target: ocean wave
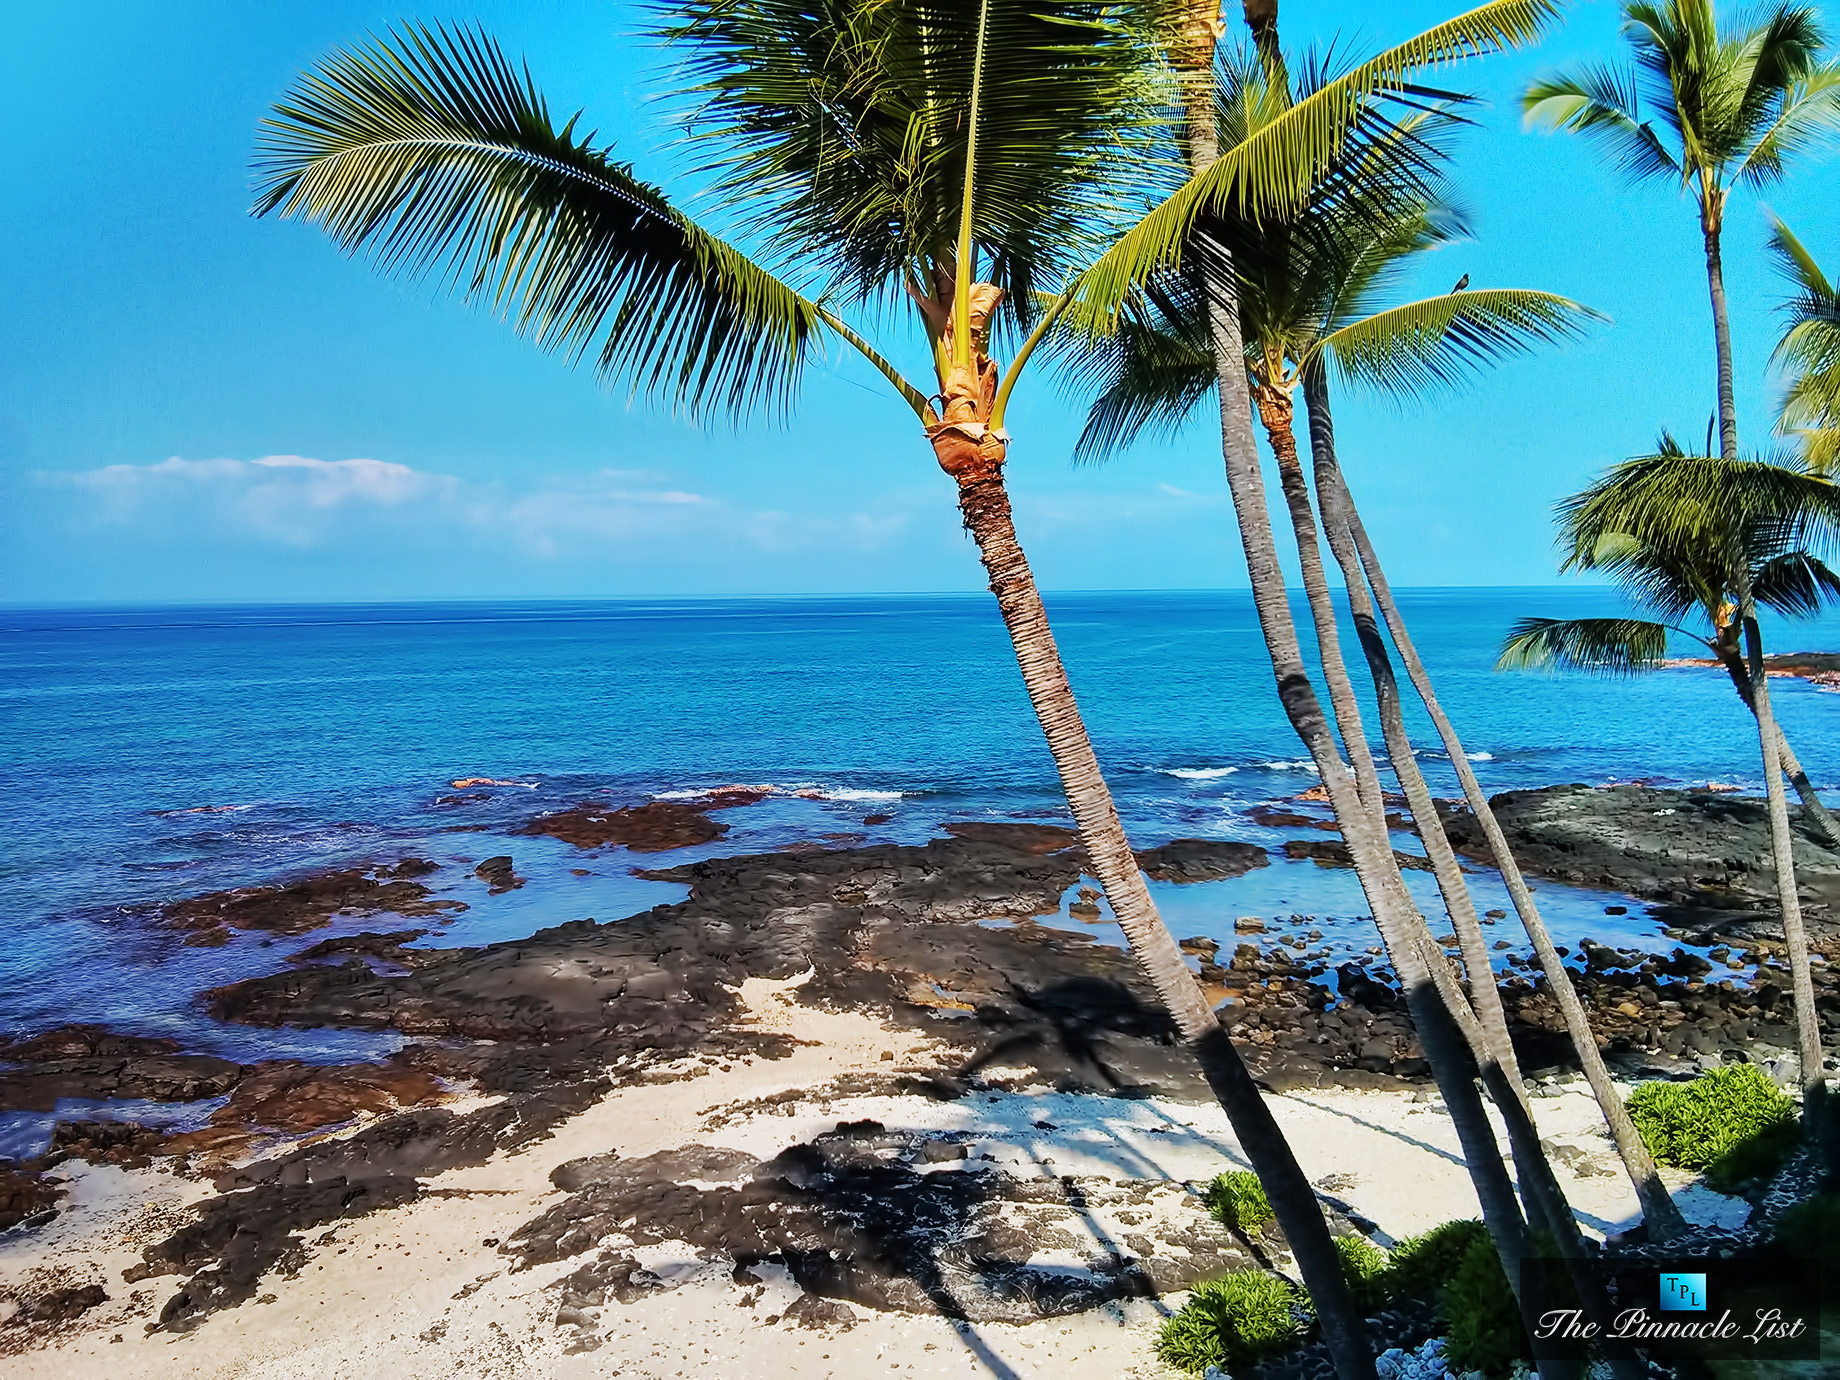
(1480,756)
(1200,773)
(802,790)
(1302,764)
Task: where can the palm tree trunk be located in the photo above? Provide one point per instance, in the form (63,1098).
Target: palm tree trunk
(1712,214)
(1808,1032)
(1792,768)
(1362,826)
(984,502)
(1658,1210)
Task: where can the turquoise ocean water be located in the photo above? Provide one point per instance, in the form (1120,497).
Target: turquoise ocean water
(154,754)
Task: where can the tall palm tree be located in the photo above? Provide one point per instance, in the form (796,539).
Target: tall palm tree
(1675,584)
(1161,362)
(1808,353)
(1710,110)
(1680,533)
(954,157)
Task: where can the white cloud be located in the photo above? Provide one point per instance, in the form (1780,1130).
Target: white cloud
(300,502)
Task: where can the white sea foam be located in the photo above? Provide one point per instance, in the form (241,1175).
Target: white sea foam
(1302,764)
(804,790)
(1200,773)
(1480,756)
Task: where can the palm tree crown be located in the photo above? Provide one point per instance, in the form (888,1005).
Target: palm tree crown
(1808,353)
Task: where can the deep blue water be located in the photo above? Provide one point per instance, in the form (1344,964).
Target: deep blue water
(156,754)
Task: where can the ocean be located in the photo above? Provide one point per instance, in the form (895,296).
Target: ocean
(158,753)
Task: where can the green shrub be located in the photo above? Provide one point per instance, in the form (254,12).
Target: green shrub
(1480,1312)
(1364,1267)
(1238,1200)
(1732,1123)
(1231,1322)
(1422,1265)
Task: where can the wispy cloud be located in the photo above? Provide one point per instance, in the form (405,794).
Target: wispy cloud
(304,503)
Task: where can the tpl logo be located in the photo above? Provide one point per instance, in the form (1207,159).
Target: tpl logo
(1683,1293)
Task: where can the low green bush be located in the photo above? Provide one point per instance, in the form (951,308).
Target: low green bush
(1480,1313)
(1231,1322)
(1364,1266)
(1420,1266)
(1237,1199)
(1731,1123)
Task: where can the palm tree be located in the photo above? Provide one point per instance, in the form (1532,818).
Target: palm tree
(1706,109)
(1809,353)
(1159,363)
(1675,584)
(956,158)
(1698,533)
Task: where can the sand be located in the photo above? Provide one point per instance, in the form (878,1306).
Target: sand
(422,1291)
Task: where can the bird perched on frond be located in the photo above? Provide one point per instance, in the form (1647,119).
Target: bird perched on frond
(1462,283)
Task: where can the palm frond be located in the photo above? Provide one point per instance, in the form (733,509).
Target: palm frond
(1439,341)
(1807,115)
(1603,103)
(1808,354)
(840,127)
(1148,376)
(1796,585)
(1608,646)
(430,151)
(1272,172)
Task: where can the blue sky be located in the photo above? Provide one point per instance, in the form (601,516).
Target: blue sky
(198,406)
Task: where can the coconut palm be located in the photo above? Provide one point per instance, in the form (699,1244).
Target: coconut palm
(1722,538)
(1677,584)
(1808,353)
(957,158)
(1294,313)
(1709,109)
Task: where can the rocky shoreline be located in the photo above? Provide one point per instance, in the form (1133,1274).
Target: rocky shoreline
(939,939)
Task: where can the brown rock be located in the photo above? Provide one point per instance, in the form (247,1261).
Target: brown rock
(652,828)
(24,1195)
(292,1097)
(1040,839)
(311,902)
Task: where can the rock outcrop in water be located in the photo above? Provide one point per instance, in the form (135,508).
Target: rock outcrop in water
(1703,854)
(310,903)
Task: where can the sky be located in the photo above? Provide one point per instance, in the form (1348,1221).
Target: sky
(198,406)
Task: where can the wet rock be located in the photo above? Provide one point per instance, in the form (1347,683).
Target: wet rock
(499,875)
(1024,838)
(1326,854)
(311,902)
(290,1097)
(60,1305)
(156,1078)
(1200,944)
(390,948)
(104,1142)
(651,828)
(1704,853)
(871,821)
(81,1042)
(1201,860)
(25,1195)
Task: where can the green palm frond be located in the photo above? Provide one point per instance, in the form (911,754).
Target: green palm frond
(1796,585)
(1697,103)
(840,127)
(1272,172)
(1729,508)
(1808,355)
(1601,102)
(1148,375)
(1609,646)
(1438,341)
(430,151)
